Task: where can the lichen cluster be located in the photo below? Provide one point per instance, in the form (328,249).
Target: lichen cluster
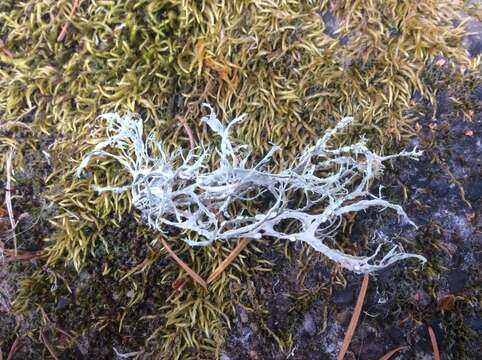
(179,190)
(295,67)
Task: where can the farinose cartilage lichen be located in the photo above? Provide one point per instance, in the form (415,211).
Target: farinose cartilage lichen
(179,189)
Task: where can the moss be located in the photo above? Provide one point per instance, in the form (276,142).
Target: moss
(278,62)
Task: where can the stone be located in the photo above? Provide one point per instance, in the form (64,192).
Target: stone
(309,325)
(457,280)
(344,296)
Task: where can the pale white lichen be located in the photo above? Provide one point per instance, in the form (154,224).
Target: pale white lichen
(181,190)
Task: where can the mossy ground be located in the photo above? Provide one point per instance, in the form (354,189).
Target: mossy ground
(308,305)
(294,68)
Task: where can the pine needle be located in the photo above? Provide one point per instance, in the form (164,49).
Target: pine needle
(48,346)
(188,130)
(194,275)
(354,319)
(433,339)
(389,354)
(12,257)
(5,50)
(13,349)
(226,262)
(63,32)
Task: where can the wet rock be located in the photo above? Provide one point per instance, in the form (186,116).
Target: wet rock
(62,303)
(421,298)
(344,296)
(243,315)
(309,325)
(457,280)
(474,323)
(444,105)
(473,189)
(477,93)
(330,23)
(371,350)
(253,355)
(473,42)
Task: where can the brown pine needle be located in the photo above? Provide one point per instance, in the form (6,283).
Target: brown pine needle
(194,275)
(13,349)
(354,319)
(63,32)
(48,346)
(433,339)
(187,129)
(179,283)
(241,243)
(5,50)
(26,256)
(226,262)
(389,354)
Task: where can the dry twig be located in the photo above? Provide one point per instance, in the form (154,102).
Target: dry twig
(354,319)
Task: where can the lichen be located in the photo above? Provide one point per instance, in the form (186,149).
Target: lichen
(179,190)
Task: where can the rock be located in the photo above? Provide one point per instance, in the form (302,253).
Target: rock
(474,323)
(309,324)
(457,280)
(473,42)
(243,315)
(421,298)
(253,355)
(477,93)
(370,350)
(330,23)
(473,188)
(62,303)
(224,357)
(444,104)
(342,317)
(344,296)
